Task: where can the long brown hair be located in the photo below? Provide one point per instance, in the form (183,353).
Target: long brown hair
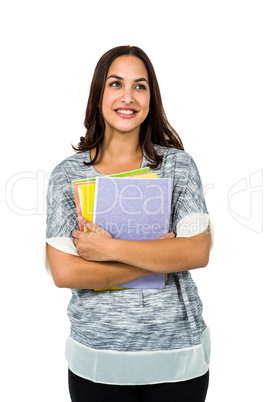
(154,130)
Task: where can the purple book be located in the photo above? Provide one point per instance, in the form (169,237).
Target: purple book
(134,209)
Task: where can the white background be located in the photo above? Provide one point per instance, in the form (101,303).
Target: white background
(211,61)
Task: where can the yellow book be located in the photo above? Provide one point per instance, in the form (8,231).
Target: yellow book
(86,199)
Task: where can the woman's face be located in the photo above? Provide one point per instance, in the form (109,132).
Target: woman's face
(126,96)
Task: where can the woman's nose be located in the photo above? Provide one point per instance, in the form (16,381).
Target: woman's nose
(127,96)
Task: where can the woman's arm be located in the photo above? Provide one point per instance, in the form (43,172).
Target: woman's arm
(175,255)
(69,271)
(171,255)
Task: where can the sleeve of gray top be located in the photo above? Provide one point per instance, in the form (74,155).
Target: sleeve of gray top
(61,210)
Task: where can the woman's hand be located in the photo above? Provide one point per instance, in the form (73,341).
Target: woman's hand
(97,245)
(93,245)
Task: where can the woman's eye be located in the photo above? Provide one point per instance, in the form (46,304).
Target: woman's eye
(141,86)
(115,84)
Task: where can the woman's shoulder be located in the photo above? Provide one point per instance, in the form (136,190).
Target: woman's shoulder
(72,160)
(174,155)
(71,166)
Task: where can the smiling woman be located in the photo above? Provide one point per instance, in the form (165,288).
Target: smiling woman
(155,129)
(133,344)
(126,102)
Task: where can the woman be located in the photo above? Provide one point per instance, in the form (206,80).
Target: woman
(131,345)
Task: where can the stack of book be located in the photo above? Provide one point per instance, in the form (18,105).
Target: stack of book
(128,208)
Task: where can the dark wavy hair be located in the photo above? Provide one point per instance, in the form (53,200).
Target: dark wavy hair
(154,130)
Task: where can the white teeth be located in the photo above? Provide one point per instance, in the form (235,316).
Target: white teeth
(125,111)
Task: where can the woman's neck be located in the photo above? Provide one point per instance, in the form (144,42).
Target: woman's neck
(118,155)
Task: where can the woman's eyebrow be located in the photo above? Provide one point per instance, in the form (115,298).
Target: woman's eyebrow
(141,79)
(116,77)
(122,79)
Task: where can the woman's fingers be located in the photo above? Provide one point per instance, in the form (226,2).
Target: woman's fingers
(169,235)
(92,227)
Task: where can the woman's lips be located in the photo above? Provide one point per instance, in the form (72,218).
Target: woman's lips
(126,113)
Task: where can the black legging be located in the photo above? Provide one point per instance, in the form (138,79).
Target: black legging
(82,390)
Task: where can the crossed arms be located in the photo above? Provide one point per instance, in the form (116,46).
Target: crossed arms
(104,261)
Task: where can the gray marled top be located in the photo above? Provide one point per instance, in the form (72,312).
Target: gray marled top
(132,319)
